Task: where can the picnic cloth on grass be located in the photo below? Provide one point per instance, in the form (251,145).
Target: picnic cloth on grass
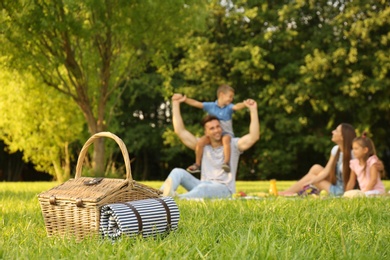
(147,217)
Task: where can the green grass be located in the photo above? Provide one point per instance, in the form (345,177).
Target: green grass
(271,228)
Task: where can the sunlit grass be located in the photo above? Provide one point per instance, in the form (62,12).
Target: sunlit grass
(271,228)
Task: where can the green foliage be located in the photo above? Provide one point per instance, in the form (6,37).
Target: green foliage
(273,228)
(142,119)
(311,65)
(41,124)
(92,50)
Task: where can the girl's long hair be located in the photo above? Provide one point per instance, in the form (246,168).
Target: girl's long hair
(348,133)
(366,142)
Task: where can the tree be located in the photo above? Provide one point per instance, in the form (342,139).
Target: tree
(310,64)
(216,56)
(353,63)
(90,50)
(40,123)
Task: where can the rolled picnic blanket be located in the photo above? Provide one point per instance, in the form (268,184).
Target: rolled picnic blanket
(147,217)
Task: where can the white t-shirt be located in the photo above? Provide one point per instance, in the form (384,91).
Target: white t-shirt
(212,161)
(339,166)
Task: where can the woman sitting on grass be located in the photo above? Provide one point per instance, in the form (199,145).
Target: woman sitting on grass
(334,177)
(369,177)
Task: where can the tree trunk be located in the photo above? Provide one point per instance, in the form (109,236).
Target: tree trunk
(95,126)
(58,171)
(67,162)
(99,147)
(98,161)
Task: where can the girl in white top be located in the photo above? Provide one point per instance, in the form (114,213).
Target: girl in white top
(369,177)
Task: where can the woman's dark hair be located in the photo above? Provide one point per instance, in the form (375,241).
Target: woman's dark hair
(348,133)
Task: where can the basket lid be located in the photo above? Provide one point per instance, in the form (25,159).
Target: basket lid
(85,188)
(89,189)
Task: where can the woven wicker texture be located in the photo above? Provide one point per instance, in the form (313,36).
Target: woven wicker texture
(73,208)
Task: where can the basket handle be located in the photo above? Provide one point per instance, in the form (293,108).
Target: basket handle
(119,141)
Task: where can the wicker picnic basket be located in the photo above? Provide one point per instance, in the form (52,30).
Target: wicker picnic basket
(73,208)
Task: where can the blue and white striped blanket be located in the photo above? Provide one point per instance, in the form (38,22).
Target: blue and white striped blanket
(147,217)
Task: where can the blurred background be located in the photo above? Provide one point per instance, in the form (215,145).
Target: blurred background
(71,69)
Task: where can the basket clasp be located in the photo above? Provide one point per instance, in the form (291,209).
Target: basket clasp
(93,181)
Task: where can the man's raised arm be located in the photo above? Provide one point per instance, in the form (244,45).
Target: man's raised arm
(248,140)
(185,136)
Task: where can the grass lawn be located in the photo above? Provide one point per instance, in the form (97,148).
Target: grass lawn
(269,228)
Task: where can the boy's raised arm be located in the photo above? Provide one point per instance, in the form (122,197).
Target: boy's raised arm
(194,103)
(239,106)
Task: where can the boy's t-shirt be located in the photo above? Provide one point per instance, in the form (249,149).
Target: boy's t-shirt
(224,114)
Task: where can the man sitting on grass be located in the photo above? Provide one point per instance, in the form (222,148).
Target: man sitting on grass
(214,181)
